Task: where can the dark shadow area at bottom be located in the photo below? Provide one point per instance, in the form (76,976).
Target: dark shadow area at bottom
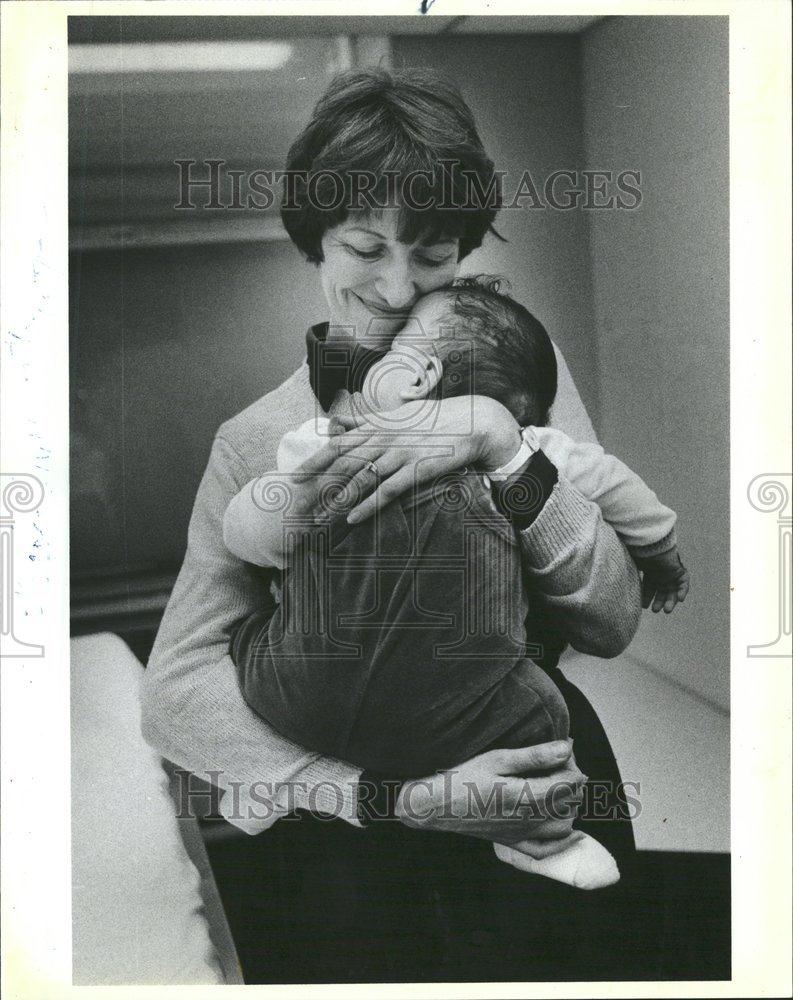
(313,901)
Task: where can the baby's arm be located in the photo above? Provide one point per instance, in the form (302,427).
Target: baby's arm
(629,505)
(253,524)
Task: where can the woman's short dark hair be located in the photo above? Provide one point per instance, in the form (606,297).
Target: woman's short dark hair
(375,134)
(495,347)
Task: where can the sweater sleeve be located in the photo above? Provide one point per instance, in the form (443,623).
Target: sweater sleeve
(582,573)
(626,501)
(192,709)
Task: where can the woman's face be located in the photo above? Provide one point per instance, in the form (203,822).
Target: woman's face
(371,280)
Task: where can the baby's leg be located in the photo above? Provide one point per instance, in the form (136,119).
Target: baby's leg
(584,863)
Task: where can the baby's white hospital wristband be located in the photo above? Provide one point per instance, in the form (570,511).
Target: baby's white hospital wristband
(528,446)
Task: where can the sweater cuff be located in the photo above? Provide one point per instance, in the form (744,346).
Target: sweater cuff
(522,498)
(565,515)
(325,786)
(665,544)
(242,809)
(329,787)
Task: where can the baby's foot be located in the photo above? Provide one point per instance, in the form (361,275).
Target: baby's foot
(585,864)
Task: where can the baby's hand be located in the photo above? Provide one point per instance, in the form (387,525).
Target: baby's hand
(665,581)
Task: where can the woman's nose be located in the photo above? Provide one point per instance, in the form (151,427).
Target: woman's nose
(397,287)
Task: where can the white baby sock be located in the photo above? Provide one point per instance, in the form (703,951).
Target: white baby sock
(585,864)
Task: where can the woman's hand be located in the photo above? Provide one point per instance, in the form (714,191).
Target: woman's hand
(525,799)
(411,445)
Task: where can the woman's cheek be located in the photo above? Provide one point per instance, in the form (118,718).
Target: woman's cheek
(360,277)
(439,277)
(348,279)
(336,281)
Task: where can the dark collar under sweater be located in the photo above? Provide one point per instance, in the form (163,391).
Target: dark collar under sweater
(341,363)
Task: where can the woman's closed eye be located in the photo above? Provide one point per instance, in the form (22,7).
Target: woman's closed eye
(363,254)
(434,261)
(424,260)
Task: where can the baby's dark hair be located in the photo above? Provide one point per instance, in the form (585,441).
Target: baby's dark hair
(495,347)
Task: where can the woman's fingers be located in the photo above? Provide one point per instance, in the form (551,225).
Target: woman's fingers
(347,420)
(539,795)
(367,479)
(388,490)
(344,484)
(399,467)
(336,458)
(526,760)
(320,461)
(336,426)
(544,798)
(404,457)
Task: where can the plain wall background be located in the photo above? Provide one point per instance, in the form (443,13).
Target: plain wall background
(656,98)
(166,344)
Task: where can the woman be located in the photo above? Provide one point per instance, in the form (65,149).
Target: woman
(390,896)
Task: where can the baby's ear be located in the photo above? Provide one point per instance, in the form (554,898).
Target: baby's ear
(425,382)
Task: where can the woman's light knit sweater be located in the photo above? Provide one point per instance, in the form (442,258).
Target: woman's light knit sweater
(193,711)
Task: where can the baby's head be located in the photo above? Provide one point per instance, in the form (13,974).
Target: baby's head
(468,338)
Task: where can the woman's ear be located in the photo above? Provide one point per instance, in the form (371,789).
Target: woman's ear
(425,381)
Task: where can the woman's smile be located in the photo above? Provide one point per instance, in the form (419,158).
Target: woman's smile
(380,309)
(372,280)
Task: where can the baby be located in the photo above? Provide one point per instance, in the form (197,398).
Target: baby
(410,642)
